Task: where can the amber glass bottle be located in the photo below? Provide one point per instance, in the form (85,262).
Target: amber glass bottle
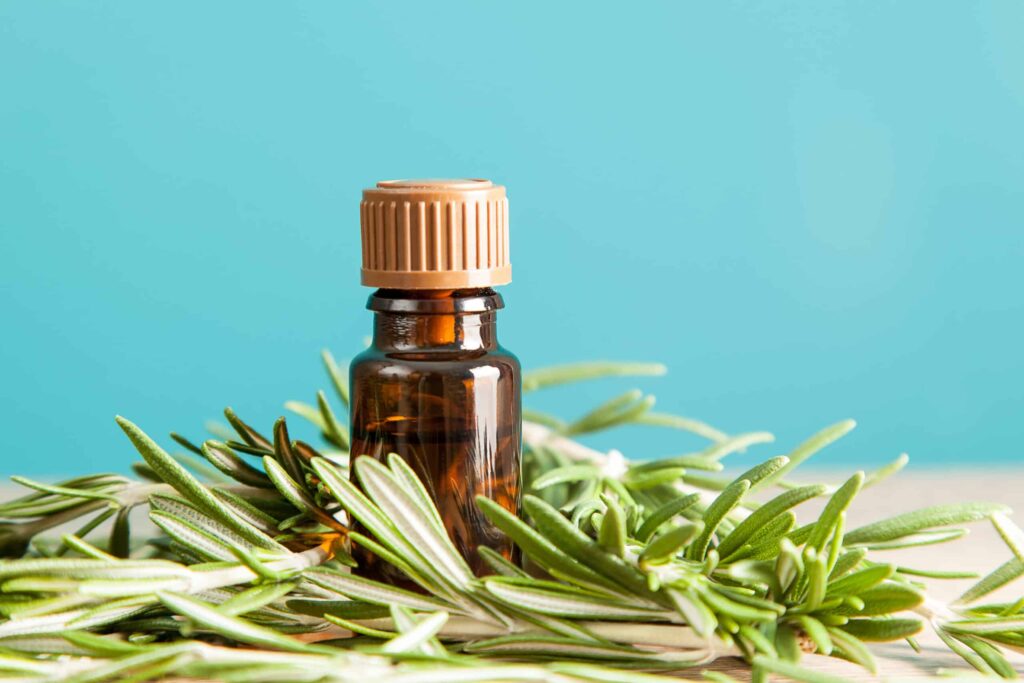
(435,386)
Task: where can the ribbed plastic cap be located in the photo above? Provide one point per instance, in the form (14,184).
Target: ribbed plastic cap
(435,234)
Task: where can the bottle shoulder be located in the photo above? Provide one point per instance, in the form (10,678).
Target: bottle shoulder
(374,359)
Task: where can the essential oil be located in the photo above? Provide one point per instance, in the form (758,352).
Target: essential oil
(435,386)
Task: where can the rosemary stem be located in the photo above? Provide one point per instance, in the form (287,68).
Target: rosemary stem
(935,611)
(673,637)
(240,574)
(535,435)
(128,497)
(611,463)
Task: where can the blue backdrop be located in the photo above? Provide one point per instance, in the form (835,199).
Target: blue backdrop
(809,211)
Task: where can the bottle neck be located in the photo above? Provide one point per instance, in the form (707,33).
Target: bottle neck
(407,320)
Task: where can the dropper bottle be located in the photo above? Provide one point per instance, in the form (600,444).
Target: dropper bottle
(435,386)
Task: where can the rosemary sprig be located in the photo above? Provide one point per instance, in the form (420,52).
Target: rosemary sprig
(653,566)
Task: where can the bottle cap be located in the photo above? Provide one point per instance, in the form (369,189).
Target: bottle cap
(435,234)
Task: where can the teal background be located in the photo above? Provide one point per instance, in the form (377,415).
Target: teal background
(808,210)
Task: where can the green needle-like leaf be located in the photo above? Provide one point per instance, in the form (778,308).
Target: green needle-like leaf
(736,610)
(982,626)
(885,598)
(374,519)
(858,582)
(563,475)
(853,649)
(1002,575)
(667,544)
(734,444)
(815,566)
(920,520)
(649,480)
(765,514)
(612,534)
(307,412)
(664,513)
(188,486)
(808,448)
(836,505)
(405,476)
(207,616)
(618,410)
(360,588)
(557,648)
(697,614)
(763,470)
(499,564)
(405,514)
(539,548)
(970,656)
(64,491)
(77,544)
(551,599)
(682,423)
(794,672)
(882,630)
(725,503)
(206,545)
(284,452)
(225,460)
(764,544)
(120,533)
(1010,533)
(887,471)
(249,435)
(358,628)
(990,654)
(564,535)
(418,635)
(338,377)
(817,632)
(578,372)
(334,431)
(255,598)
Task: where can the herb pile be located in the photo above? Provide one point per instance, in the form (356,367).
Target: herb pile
(633,569)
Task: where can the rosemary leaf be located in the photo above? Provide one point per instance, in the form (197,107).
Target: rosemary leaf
(339,380)
(910,523)
(794,672)
(178,477)
(578,372)
(765,514)
(811,446)
(682,423)
(664,513)
(1002,575)
(835,507)
(882,630)
(541,550)
(238,629)
(225,460)
(335,432)
(358,588)
(548,598)
(668,543)
(725,503)
(579,546)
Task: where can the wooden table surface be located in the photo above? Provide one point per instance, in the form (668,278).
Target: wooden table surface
(981,551)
